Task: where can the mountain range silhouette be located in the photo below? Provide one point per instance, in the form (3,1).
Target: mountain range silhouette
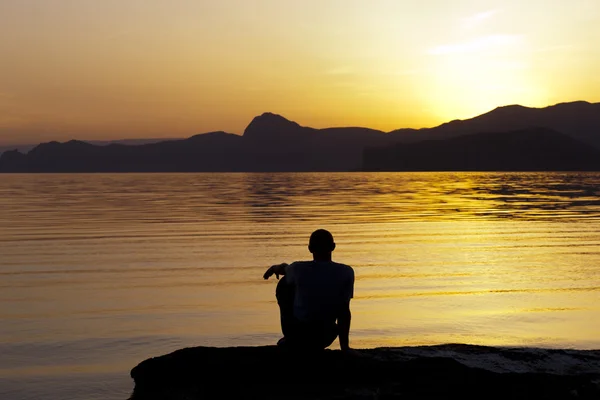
(561,137)
(533,149)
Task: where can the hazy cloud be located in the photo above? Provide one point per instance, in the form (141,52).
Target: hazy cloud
(484,43)
(477,19)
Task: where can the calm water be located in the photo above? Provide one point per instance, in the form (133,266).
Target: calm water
(98,272)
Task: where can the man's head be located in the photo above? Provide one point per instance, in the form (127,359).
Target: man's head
(321,244)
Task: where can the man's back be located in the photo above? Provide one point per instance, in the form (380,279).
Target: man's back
(321,289)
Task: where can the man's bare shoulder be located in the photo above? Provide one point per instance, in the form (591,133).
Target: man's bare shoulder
(341,265)
(344,267)
(299,264)
(295,266)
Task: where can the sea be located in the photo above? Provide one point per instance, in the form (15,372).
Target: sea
(101,271)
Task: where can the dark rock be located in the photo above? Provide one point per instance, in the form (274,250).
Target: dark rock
(386,373)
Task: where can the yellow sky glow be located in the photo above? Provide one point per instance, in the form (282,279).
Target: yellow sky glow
(108,69)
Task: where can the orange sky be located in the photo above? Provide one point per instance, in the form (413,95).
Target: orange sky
(107,69)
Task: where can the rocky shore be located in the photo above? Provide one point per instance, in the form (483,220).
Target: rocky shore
(429,372)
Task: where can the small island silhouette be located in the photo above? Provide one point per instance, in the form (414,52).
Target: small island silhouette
(563,137)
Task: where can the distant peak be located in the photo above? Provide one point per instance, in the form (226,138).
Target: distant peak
(203,135)
(507,110)
(511,107)
(74,142)
(274,118)
(270,114)
(270,125)
(572,104)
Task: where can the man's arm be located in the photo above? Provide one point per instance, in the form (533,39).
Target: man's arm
(343,320)
(344,315)
(279,269)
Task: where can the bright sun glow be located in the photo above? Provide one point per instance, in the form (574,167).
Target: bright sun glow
(481,74)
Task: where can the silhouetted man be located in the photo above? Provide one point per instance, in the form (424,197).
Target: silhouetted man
(314,297)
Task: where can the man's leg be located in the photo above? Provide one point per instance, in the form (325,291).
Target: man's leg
(313,336)
(285,300)
(296,334)
(329,335)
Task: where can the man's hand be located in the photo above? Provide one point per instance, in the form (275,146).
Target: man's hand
(278,269)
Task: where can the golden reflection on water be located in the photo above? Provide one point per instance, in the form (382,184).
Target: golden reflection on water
(101,271)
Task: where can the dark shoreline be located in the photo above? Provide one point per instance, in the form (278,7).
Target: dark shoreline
(457,371)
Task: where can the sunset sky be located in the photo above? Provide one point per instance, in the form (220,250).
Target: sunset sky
(108,69)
